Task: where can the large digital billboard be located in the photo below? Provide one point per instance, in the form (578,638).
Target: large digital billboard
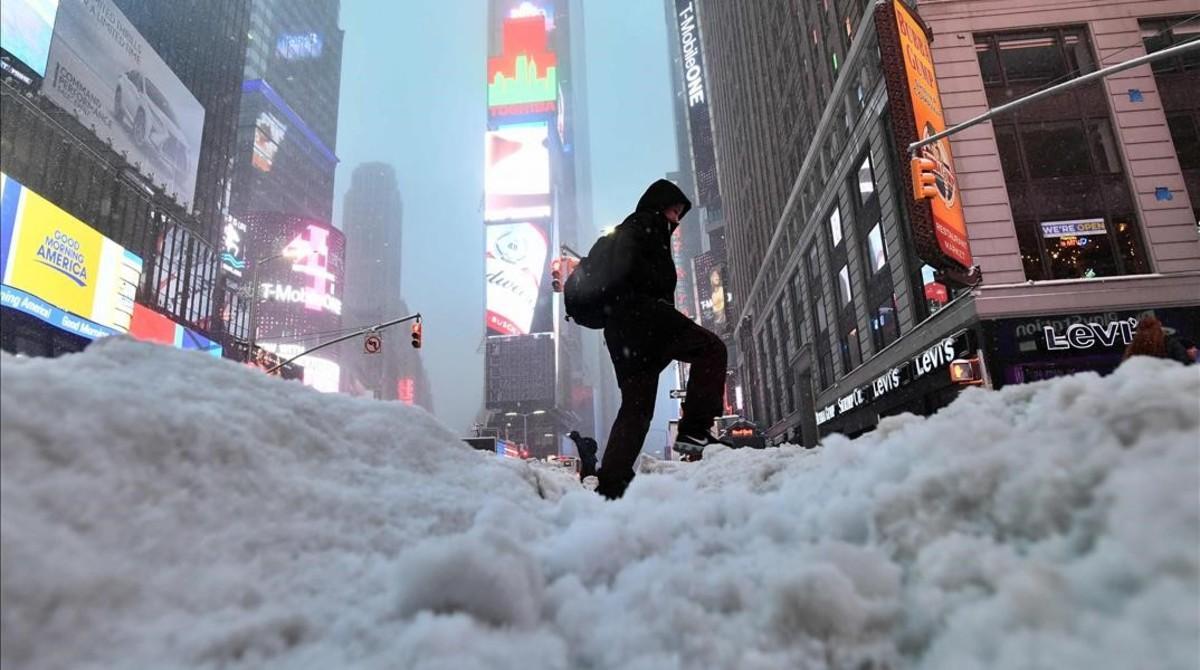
(518,286)
(102,71)
(516,177)
(523,78)
(60,270)
(939,228)
(711,295)
(704,157)
(26,27)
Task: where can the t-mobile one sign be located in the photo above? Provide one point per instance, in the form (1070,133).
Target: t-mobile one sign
(704,159)
(309,253)
(693,71)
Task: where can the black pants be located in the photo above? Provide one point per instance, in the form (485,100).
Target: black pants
(643,337)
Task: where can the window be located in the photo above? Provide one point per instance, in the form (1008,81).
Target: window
(851,350)
(1185,133)
(844,286)
(1060,158)
(885,326)
(866,180)
(835,226)
(876,253)
(1178,79)
(936,293)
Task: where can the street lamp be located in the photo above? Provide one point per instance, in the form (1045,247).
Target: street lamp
(525,423)
(254,299)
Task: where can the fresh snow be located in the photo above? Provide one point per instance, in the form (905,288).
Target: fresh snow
(163,509)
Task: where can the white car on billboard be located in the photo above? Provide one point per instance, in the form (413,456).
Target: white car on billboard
(144,111)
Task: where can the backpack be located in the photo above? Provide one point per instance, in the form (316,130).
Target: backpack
(585,291)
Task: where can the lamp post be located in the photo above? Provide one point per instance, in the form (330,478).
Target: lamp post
(254,300)
(525,423)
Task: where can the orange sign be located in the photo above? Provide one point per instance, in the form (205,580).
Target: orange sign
(950,228)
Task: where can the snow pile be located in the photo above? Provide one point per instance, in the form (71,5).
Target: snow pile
(163,509)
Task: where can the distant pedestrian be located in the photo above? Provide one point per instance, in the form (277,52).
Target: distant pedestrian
(586,447)
(1151,340)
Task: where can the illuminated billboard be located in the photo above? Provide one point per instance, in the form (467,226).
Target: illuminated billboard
(516,178)
(300,283)
(523,78)
(233,251)
(711,295)
(105,74)
(60,270)
(268,134)
(26,27)
(704,157)
(319,373)
(939,228)
(150,326)
(299,46)
(518,295)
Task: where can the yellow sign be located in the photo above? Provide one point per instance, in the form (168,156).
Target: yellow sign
(59,259)
(55,256)
(950,227)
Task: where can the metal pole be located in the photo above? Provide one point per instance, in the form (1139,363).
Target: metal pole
(369,329)
(1054,90)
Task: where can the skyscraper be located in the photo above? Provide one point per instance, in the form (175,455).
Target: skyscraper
(285,159)
(537,371)
(372,219)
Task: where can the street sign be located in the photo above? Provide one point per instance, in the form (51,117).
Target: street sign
(373,343)
(678,394)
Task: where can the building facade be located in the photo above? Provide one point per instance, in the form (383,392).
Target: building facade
(1077,208)
(154,200)
(372,219)
(284,158)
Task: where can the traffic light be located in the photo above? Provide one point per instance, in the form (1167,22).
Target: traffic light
(556,278)
(416,335)
(924,181)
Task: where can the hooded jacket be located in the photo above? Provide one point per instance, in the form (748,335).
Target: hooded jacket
(641,259)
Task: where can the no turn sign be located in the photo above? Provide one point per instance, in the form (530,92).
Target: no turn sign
(373,343)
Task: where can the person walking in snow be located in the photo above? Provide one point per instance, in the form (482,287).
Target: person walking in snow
(644,333)
(586,447)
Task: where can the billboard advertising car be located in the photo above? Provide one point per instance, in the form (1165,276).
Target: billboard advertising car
(26,27)
(516,176)
(60,270)
(518,291)
(102,71)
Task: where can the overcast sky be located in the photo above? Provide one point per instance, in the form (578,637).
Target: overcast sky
(413,95)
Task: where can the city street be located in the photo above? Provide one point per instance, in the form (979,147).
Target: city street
(217,517)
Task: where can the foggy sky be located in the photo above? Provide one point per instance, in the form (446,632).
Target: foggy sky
(413,95)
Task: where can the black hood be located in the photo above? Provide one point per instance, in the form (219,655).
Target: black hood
(661,195)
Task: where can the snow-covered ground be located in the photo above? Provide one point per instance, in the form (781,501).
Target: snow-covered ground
(162,509)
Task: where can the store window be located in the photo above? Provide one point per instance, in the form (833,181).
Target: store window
(885,326)
(1071,201)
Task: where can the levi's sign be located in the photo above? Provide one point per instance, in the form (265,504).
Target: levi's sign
(1088,335)
(933,359)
